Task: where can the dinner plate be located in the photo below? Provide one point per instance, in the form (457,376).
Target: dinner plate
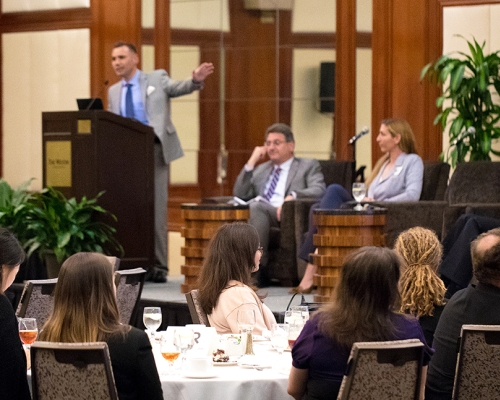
(225,364)
(201,376)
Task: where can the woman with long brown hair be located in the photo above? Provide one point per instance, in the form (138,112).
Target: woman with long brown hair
(224,284)
(85,310)
(422,291)
(363,309)
(13,378)
(397,176)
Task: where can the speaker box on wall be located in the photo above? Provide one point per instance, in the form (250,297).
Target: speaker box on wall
(327,87)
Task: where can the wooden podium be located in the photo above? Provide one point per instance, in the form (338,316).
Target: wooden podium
(85,152)
(341,231)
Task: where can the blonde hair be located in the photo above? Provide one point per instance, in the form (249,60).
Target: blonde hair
(421,288)
(85,308)
(407,144)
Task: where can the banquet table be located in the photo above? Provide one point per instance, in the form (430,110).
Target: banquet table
(232,381)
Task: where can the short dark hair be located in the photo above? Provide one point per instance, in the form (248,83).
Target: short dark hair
(281,128)
(132,48)
(486,263)
(11,252)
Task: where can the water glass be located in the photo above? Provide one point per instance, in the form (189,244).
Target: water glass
(302,311)
(294,329)
(279,337)
(184,338)
(152,319)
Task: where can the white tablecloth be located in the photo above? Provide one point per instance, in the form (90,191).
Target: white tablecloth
(232,382)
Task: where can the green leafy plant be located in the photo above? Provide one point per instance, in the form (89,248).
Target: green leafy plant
(66,226)
(15,208)
(469,84)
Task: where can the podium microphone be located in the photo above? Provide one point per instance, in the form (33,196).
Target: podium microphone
(363,132)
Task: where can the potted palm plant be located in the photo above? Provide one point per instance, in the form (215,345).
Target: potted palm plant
(59,227)
(469,103)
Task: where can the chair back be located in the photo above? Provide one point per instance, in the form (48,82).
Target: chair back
(435,181)
(72,371)
(197,314)
(341,172)
(475,182)
(478,363)
(129,284)
(383,370)
(37,300)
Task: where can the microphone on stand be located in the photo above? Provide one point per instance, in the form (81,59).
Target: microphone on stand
(363,132)
(470,131)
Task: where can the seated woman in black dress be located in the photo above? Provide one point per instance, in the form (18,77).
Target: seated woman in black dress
(13,378)
(85,310)
(363,309)
(397,176)
(422,291)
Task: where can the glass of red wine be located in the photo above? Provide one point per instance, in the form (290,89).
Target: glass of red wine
(28,330)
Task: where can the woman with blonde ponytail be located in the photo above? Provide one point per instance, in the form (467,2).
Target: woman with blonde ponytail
(422,291)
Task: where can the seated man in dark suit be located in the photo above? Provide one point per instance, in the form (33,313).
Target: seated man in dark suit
(282,178)
(477,304)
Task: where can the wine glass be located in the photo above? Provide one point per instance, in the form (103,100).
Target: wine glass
(152,319)
(246,322)
(28,330)
(358,192)
(279,337)
(170,351)
(184,339)
(294,329)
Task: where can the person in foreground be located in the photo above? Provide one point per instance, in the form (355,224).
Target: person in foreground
(13,378)
(397,176)
(225,279)
(85,310)
(146,98)
(363,309)
(477,304)
(422,291)
(282,178)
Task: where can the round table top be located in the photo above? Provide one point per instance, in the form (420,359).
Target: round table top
(349,211)
(213,206)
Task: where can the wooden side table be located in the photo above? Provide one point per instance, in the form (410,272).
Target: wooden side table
(340,232)
(200,222)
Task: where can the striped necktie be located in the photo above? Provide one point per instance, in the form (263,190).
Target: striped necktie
(274,181)
(129,104)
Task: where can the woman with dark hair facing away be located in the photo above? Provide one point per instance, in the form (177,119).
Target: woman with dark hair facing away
(225,278)
(362,309)
(422,291)
(85,310)
(397,176)
(13,378)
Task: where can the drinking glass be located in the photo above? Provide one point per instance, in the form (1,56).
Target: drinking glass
(170,352)
(294,329)
(28,330)
(358,192)
(246,322)
(184,338)
(302,311)
(152,319)
(279,337)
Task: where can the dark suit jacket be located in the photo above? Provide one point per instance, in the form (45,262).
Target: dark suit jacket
(134,367)
(304,178)
(157,88)
(13,378)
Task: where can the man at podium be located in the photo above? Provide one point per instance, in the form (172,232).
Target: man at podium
(146,98)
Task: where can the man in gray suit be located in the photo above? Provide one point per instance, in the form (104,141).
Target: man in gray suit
(146,98)
(282,178)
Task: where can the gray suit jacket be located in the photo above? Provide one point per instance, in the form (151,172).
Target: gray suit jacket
(304,178)
(157,88)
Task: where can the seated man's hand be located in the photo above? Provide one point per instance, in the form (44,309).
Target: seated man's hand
(258,154)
